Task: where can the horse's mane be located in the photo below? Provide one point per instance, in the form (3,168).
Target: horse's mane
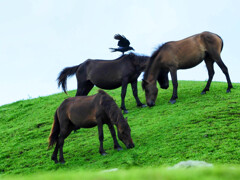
(133,58)
(110,107)
(133,55)
(136,59)
(152,58)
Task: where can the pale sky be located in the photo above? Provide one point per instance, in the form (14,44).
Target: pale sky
(38,38)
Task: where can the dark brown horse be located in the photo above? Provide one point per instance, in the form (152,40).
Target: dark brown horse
(87,112)
(182,54)
(107,74)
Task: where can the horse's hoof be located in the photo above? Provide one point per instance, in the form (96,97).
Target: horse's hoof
(172,101)
(55,161)
(204,92)
(119,148)
(143,106)
(62,162)
(125,111)
(228,90)
(104,154)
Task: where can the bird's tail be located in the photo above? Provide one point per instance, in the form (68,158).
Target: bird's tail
(113,49)
(119,37)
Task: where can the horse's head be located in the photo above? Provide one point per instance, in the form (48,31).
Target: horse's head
(151,92)
(163,79)
(124,134)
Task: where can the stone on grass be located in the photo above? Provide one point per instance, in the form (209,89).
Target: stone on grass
(191,163)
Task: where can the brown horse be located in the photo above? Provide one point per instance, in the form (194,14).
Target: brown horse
(87,112)
(107,74)
(183,54)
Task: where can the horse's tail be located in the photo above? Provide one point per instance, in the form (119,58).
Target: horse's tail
(221,40)
(64,74)
(53,137)
(222,44)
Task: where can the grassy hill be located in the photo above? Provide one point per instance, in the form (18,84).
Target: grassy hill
(197,127)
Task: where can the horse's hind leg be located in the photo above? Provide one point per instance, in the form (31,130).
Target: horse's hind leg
(83,84)
(88,86)
(84,88)
(55,152)
(209,64)
(135,94)
(64,132)
(224,69)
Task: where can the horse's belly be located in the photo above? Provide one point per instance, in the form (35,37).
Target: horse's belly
(187,64)
(191,59)
(108,84)
(83,117)
(88,123)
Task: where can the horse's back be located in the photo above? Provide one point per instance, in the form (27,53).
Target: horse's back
(183,54)
(79,110)
(200,41)
(106,74)
(191,51)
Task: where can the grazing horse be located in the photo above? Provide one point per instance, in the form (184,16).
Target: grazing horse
(87,112)
(107,74)
(182,54)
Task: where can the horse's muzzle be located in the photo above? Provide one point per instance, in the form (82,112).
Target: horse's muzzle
(151,104)
(130,146)
(164,86)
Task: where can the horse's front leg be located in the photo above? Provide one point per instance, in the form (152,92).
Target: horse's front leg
(135,94)
(101,138)
(123,94)
(113,133)
(175,86)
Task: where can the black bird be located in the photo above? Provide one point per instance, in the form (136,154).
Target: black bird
(123,44)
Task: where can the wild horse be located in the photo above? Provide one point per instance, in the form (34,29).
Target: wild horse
(182,54)
(107,74)
(87,112)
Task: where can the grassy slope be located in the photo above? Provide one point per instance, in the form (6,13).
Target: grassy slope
(197,127)
(216,173)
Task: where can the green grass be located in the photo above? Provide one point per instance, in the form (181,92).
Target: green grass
(197,127)
(216,173)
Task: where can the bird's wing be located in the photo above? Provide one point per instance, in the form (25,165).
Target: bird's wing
(123,41)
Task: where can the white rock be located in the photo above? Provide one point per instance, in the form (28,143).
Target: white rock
(191,163)
(110,170)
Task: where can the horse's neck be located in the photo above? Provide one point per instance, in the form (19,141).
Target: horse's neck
(119,121)
(153,73)
(110,108)
(141,62)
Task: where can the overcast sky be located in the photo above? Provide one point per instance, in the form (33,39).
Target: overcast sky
(38,38)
